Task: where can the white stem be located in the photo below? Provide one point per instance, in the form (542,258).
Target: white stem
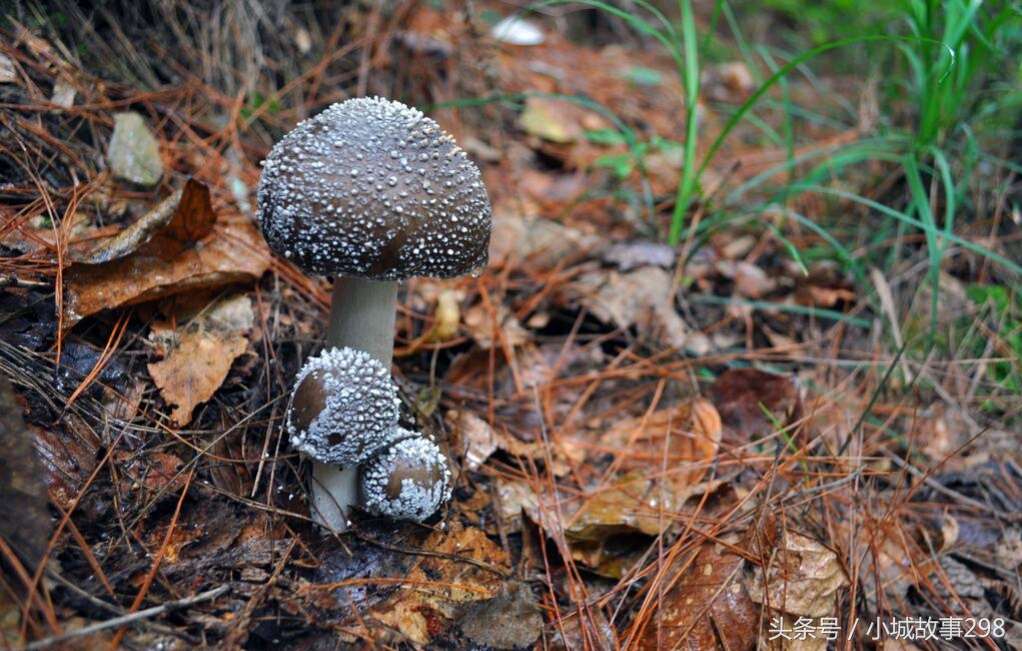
(333,492)
(361,317)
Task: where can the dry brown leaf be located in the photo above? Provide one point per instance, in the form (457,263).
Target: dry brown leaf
(708,607)
(692,431)
(552,120)
(189,253)
(447,315)
(751,281)
(640,298)
(541,243)
(476,441)
(199,355)
(801,577)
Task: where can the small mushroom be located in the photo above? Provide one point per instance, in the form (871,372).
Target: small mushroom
(408,481)
(373,192)
(344,410)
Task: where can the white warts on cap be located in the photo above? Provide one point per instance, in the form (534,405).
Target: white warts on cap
(408,481)
(344,409)
(373,188)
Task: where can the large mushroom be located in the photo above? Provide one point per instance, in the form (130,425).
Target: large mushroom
(372,192)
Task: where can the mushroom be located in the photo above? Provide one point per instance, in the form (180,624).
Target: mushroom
(343,411)
(408,481)
(373,192)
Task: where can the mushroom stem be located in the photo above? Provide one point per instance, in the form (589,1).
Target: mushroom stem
(334,490)
(362,316)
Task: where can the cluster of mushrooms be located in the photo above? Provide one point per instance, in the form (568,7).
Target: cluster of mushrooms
(372,192)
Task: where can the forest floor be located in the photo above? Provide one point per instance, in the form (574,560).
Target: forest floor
(787,425)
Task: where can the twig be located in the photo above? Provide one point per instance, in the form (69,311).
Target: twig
(124,620)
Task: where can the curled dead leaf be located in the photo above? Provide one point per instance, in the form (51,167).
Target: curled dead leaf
(185,216)
(192,251)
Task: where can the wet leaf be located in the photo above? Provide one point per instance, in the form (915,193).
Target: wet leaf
(198,356)
(189,254)
(455,574)
(24,512)
(708,607)
(67,462)
(509,621)
(594,632)
(154,473)
(134,153)
(632,505)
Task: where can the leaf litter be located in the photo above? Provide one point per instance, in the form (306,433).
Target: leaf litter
(656,447)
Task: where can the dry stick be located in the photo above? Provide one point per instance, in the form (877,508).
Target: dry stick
(116,641)
(124,620)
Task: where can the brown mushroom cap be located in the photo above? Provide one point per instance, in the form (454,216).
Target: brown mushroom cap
(373,188)
(409,480)
(344,407)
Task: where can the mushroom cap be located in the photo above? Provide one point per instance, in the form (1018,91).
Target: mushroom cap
(375,189)
(344,408)
(407,481)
